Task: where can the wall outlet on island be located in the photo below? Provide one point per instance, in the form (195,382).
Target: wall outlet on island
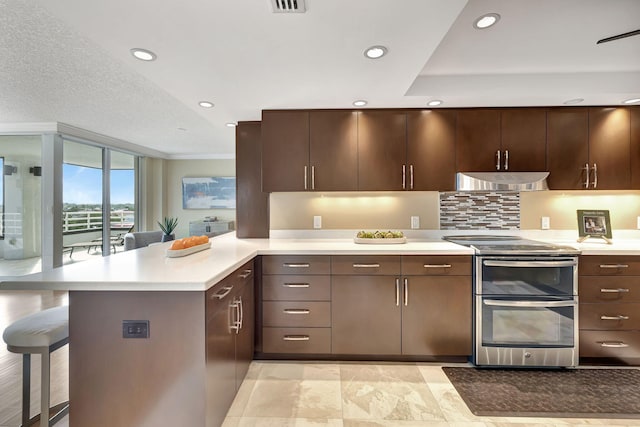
(415,222)
(545,223)
(317,221)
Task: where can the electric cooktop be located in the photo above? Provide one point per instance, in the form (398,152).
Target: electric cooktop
(488,244)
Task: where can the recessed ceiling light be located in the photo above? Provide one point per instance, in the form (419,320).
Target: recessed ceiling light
(631,101)
(434,103)
(360,103)
(486,21)
(205,104)
(573,101)
(231,125)
(375,52)
(143,54)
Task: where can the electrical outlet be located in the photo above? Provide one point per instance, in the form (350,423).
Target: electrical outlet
(317,221)
(545,223)
(135,329)
(415,222)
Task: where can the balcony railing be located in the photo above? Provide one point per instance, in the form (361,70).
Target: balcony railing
(74,222)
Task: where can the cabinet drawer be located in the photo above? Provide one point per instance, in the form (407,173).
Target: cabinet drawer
(611,316)
(296,314)
(606,289)
(609,265)
(296,288)
(613,344)
(296,340)
(296,264)
(228,287)
(436,265)
(366,265)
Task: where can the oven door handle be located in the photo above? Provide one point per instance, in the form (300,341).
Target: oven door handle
(543,304)
(506,263)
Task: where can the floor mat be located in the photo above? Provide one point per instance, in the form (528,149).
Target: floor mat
(584,393)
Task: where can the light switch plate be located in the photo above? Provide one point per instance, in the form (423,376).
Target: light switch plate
(415,222)
(317,221)
(545,223)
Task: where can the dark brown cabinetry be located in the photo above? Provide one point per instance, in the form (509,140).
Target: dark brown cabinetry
(609,291)
(478,140)
(431,150)
(230,336)
(609,148)
(567,148)
(634,114)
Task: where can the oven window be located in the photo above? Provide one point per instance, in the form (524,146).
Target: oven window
(505,324)
(504,277)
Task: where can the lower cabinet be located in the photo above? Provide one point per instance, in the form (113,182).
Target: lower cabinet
(229,332)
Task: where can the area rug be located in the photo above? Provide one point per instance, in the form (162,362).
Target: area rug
(581,393)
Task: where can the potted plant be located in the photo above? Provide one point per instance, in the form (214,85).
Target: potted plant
(167,226)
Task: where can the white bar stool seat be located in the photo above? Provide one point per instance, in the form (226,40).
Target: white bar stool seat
(40,333)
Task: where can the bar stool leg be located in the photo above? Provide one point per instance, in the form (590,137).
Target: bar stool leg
(45,385)
(26,388)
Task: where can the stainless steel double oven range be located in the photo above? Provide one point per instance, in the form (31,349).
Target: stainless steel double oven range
(525,302)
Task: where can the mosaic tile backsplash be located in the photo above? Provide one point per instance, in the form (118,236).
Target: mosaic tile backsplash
(480,210)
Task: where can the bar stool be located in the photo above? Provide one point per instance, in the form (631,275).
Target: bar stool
(40,333)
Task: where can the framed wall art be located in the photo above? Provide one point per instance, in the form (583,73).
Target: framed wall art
(594,223)
(209,193)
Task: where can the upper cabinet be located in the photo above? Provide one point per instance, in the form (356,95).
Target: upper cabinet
(491,140)
(431,150)
(567,148)
(635,147)
(609,148)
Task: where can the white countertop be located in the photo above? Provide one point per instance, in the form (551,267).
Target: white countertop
(148,269)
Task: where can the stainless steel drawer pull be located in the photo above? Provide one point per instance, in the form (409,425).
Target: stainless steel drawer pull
(618,317)
(296,264)
(373,265)
(542,264)
(296,311)
(437,265)
(245,274)
(614,266)
(296,338)
(618,344)
(226,290)
(296,285)
(612,291)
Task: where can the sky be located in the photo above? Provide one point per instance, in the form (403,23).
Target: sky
(83,185)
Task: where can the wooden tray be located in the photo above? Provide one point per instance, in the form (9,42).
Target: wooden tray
(391,241)
(184,252)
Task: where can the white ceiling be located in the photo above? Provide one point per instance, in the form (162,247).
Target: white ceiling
(68,61)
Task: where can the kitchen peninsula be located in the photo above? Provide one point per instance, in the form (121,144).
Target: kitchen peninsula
(175,376)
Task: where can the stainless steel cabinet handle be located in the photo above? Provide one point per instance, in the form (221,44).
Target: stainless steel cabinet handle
(437,265)
(223,293)
(313,177)
(295,338)
(492,263)
(611,291)
(498,160)
(241,313)
(305,177)
(234,316)
(609,344)
(411,177)
(595,176)
(296,311)
(371,265)
(506,160)
(404,177)
(406,292)
(586,174)
(296,264)
(542,304)
(296,285)
(618,317)
(245,274)
(397,292)
(614,266)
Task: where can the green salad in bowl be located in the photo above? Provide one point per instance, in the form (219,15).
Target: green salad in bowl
(380,235)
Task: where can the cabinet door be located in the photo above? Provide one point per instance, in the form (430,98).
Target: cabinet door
(431,150)
(436,316)
(524,139)
(609,147)
(382,138)
(477,140)
(333,150)
(635,147)
(365,315)
(567,148)
(245,336)
(285,150)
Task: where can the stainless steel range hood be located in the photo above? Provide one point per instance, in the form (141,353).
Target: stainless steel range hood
(501,181)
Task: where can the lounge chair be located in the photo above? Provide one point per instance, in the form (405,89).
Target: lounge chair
(117,240)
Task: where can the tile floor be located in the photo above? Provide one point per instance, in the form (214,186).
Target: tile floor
(288,394)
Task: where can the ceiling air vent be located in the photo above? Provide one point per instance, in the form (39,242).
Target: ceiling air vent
(288,6)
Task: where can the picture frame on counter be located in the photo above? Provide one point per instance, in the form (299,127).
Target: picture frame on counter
(594,223)
(209,192)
